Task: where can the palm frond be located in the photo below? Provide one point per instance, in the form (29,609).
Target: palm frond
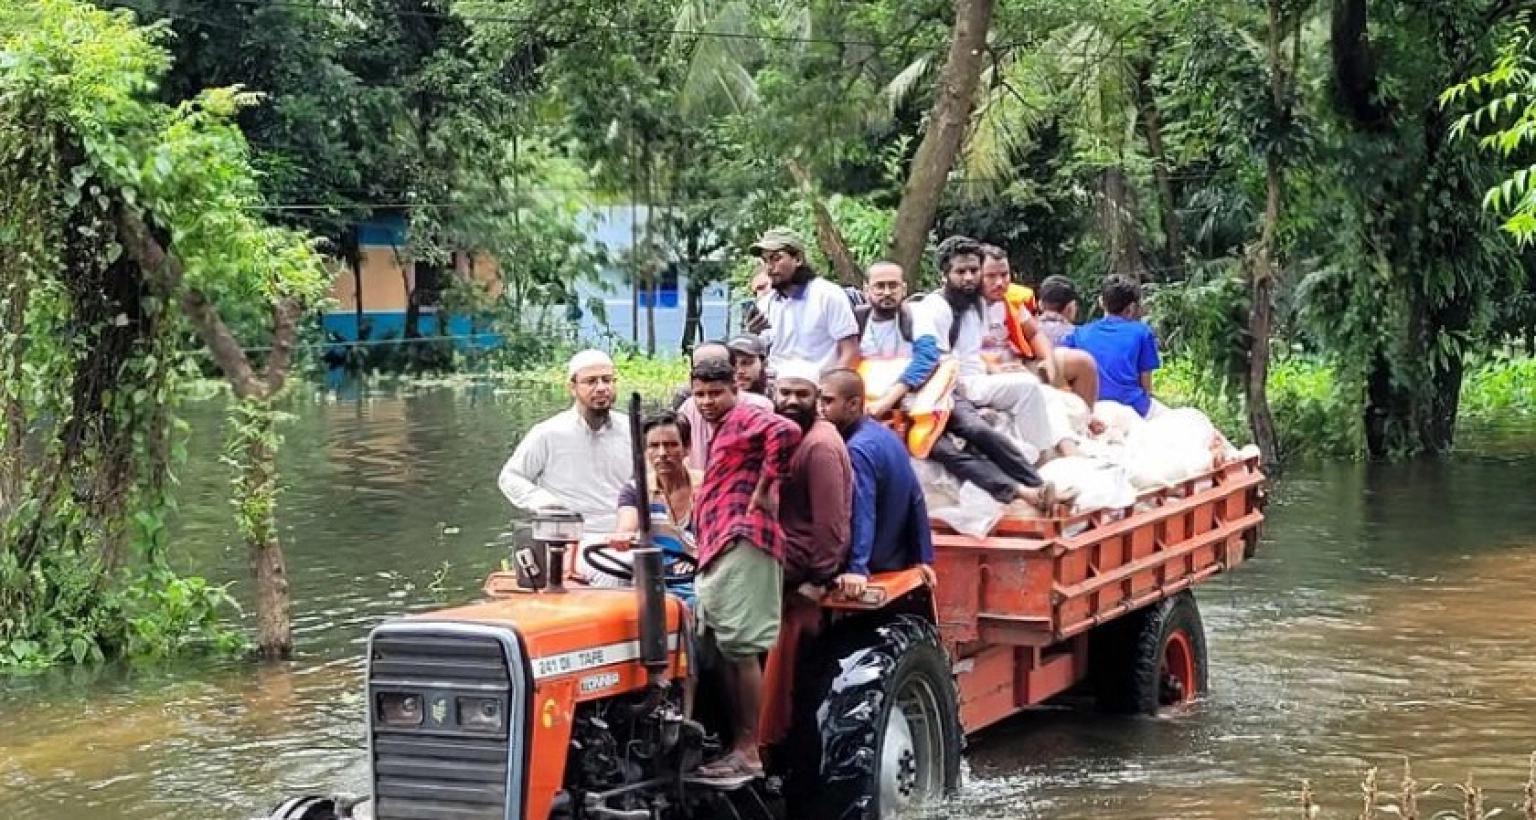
(718,77)
(1016,99)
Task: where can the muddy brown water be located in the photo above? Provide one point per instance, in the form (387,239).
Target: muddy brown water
(1389,613)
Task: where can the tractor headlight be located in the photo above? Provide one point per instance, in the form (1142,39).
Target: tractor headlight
(481,714)
(399,709)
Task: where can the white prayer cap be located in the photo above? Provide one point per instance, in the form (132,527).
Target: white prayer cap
(798,369)
(585,359)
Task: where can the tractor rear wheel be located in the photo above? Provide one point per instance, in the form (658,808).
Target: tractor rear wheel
(886,725)
(1150,659)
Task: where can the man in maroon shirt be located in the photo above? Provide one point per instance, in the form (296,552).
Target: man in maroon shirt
(741,548)
(815,510)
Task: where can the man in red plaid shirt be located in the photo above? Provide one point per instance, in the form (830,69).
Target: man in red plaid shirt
(741,548)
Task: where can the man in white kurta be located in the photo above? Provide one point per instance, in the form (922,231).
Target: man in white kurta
(957,314)
(579,459)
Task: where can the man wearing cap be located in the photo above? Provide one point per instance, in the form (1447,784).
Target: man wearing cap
(701,429)
(579,459)
(808,317)
(749,355)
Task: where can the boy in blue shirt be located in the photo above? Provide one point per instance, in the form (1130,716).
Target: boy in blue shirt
(1121,344)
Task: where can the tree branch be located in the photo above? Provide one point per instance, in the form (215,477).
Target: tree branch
(165,275)
(285,328)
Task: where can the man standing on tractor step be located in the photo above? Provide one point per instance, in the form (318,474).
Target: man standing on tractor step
(814,510)
(579,459)
(741,549)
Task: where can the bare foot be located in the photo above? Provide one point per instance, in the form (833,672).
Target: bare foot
(1046,496)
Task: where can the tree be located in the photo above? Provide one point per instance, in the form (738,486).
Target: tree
(1418,273)
(136,222)
(942,138)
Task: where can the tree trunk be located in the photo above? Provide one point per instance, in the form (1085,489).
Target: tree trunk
(1117,220)
(828,237)
(942,138)
(255,425)
(13,440)
(693,314)
(258,489)
(1173,230)
(1261,322)
(652,294)
(1265,273)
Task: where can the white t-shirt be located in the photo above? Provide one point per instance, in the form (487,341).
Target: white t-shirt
(808,325)
(883,339)
(967,347)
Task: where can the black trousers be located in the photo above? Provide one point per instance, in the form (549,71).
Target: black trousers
(989,460)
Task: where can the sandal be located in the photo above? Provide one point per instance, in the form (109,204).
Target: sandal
(731,770)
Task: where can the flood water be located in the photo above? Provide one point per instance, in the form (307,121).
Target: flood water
(1388,613)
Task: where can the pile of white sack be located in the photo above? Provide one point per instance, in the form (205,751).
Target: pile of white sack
(1129,456)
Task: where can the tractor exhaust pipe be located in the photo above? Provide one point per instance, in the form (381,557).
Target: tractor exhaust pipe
(650,572)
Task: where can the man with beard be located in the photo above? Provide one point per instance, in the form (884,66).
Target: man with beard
(897,331)
(579,459)
(750,358)
(814,510)
(891,330)
(809,318)
(741,551)
(958,312)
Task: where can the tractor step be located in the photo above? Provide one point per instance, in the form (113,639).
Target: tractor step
(724,784)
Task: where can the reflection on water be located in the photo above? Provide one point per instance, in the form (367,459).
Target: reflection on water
(1386,615)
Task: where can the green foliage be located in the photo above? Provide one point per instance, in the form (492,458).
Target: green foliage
(1316,414)
(1506,109)
(92,350)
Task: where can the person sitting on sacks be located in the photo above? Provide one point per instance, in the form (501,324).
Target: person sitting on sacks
(904,377)
(958,312)
(1122,345)
(1014,340)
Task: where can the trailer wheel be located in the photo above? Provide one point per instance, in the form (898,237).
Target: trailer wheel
(1151,659)
(886,725)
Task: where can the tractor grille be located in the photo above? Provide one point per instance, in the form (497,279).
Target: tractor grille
(440,770)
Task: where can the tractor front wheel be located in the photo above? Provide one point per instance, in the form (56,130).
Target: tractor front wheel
(886,725)
(309,807)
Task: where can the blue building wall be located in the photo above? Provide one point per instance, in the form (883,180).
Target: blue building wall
(610,229)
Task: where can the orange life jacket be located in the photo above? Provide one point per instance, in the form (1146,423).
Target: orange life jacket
(1019,297)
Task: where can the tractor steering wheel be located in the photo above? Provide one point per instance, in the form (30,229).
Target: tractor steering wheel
(603,558)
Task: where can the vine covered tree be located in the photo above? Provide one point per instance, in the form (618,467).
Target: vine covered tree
(128,225)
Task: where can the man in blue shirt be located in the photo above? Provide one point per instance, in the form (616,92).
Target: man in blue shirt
(890,516)
(1121,344)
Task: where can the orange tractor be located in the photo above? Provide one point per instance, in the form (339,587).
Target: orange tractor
(552,700)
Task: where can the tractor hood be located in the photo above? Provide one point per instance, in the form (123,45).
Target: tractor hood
(566,634)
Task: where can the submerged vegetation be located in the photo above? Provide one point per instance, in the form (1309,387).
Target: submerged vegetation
(1407,803)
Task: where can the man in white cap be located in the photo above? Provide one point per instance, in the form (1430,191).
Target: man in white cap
(579,459)
(815,512)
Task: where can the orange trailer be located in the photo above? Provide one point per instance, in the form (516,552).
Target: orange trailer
(550,701)
(1034,609)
